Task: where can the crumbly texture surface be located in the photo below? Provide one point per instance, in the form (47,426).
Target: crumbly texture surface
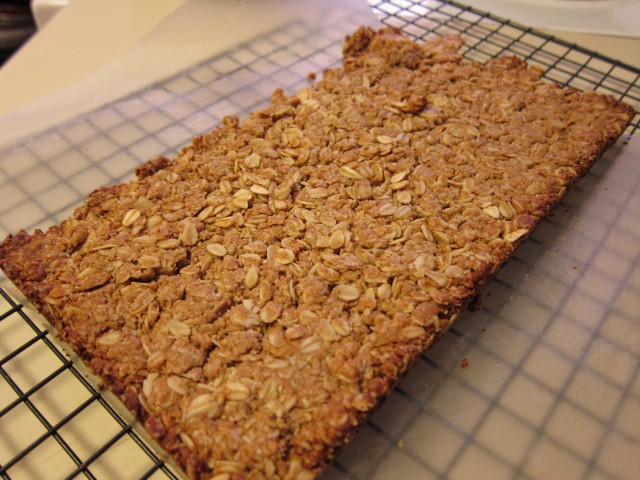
(255,298)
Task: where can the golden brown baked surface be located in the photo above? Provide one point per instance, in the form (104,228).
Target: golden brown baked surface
(252,300)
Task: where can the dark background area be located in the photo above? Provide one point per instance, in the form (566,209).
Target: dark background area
(16,26)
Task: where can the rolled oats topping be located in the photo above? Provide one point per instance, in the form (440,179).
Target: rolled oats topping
(255,298)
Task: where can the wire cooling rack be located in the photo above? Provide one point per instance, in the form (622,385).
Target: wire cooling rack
(542,381)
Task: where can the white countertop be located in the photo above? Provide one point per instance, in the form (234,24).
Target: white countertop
(95,52)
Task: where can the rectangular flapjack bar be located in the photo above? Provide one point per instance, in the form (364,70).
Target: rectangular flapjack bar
(254,299)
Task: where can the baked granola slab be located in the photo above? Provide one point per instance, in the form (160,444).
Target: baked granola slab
(252,300)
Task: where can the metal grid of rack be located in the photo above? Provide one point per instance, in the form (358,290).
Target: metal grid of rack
(551,383)
(34,389)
